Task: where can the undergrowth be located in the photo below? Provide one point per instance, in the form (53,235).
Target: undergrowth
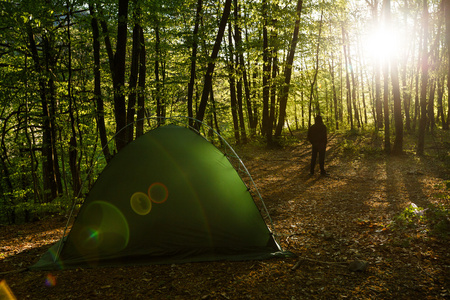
(433,220)
(30,211)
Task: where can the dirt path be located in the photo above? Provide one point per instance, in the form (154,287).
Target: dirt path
(327,221)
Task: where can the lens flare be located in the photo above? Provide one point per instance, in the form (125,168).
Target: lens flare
(140,203)
(105,229)
(5,291)
(55,256)
(158,192)
(91,238)
(50,280)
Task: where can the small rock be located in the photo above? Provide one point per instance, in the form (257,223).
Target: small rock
(328,236)
(358,266)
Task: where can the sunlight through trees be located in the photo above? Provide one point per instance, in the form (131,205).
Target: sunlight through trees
(74,75)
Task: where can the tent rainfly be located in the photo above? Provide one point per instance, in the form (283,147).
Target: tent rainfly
(170,196)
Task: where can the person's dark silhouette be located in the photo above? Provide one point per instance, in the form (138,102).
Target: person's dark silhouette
(317,136)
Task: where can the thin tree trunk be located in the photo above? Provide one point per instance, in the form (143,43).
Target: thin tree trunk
(335,100)
(404,64)
(100,112)
(288,71)
(193,62)
(398,119)
(266,71)
(50,169)
(33,160)
(424,83)
(141,86)
(440,93)
(246,77)
(430,110)
(398,142)
(73,150)
(232,83)
(377,67)
(354,84)
(316,71)
(347,77)
(160,105)
(363,94)
(273,93)
(239,68)
(207,85)
(446,6)
(134,73)
(387,129)
(214,112)
(118,73)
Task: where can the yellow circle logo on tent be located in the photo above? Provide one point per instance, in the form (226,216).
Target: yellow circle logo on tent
(140,203)
(158,192)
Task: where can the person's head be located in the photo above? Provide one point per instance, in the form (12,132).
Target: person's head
(318,119)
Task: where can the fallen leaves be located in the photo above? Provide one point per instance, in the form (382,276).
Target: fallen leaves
(329,222)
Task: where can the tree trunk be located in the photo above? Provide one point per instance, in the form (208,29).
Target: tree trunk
(160,105)
(193,62)
(363,93)
(134,73)
(316,71)
(424,82)
(50,168)
(207,85)
(239,68)
(288,71)
(387,129)
(100,112)
(430,109)
(335,100)
(405,88)
(446,6)
(141,84)
(73,147)
(273,93)
(118,74)
(232,82)
(266,71)
(354,85)
(252,122)
(440,96)
(347,77)
(377,64)
(398,142)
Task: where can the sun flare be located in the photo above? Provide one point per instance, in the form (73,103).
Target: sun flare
(383,43)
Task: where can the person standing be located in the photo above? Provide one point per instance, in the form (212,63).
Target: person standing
(317,136)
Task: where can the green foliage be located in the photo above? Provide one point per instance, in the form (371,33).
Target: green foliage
(26,211)
(23,75)
(434,220)
(438,218)
(361,143)
(411,216)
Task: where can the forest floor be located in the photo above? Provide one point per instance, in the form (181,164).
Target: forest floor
(389,212)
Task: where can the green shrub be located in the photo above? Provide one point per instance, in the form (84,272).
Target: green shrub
(438,218)
(435,220)
(411,216)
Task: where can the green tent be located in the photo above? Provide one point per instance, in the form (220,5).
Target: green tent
(170,196)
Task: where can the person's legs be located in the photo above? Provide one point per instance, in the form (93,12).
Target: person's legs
(313,159)
(322,160)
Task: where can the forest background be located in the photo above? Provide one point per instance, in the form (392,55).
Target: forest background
(78,74)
